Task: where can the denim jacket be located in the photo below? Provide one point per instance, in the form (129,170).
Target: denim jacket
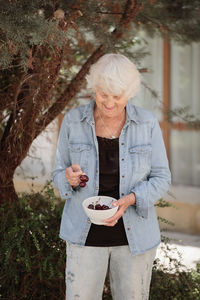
(144,170)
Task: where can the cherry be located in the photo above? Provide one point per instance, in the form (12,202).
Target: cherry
(98,207)
(82,184)
(84,178)
(104,207)
(91,206)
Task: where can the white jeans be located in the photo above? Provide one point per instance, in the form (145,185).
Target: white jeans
(86,270)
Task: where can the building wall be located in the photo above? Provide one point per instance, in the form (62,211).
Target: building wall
(36,169)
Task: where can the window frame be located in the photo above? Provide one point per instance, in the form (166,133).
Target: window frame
(165,125)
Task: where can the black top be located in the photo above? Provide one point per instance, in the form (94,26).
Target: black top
(100,235)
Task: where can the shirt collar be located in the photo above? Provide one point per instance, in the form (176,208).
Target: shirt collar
(131,113)
(88,112)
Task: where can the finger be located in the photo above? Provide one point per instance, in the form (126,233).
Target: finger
(119,202)
(76,168)
(69,171)
(70,174)
(74,173)
(116,203)
(113,218)
(75,176)
(74,181)
(111,224)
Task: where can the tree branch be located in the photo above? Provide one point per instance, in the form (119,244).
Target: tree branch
(6,131)
(69,92)
(132,9)
(13,112)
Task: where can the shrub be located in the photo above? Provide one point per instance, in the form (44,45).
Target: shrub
(183,285)
(32,255)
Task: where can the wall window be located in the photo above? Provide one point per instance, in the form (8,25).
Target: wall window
(175,75)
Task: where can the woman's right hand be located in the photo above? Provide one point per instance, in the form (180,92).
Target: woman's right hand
(72,174)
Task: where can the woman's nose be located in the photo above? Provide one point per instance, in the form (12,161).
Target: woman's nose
(110,102)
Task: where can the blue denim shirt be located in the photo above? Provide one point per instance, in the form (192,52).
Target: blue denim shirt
(144,170)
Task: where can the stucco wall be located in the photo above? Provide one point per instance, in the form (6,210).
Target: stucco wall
(37,167)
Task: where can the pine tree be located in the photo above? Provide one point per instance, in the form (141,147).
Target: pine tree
(47,47)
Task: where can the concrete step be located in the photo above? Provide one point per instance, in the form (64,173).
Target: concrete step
(184,247)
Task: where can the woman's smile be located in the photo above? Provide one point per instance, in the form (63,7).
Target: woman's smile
(109,108)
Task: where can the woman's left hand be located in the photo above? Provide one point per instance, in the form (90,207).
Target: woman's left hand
(122,204)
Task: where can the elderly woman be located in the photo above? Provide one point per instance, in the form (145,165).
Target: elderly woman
(121,149)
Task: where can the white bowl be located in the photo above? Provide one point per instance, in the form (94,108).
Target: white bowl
(98,216)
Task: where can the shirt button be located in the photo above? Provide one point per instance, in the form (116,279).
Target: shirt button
(122,144)
(128,228)
(122,158)
(122,194)
(123,176)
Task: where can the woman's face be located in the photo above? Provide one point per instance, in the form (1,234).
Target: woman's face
(110,105)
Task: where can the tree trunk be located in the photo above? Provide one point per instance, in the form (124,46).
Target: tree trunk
(7,189)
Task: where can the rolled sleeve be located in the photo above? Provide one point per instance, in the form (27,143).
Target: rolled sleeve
(147,192)
(62,162)
(61,184)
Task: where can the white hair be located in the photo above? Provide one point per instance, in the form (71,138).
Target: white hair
(114,74)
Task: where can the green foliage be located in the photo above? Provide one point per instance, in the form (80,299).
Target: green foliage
(170,278)
(33,256)
(183,285)
(162,203)
(24,24)
(178,19)
(184,114)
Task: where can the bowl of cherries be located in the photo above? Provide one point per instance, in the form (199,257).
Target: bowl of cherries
(99,208)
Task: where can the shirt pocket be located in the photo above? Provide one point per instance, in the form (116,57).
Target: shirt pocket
(79,154)
(141,158)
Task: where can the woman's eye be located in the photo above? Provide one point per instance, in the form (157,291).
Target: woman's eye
(116,97)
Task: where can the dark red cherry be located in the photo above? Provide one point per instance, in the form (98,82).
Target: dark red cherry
(82,184)
(98,207)
(104,207)
(84,178)
(91,206)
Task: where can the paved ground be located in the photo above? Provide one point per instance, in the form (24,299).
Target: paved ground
(187,245)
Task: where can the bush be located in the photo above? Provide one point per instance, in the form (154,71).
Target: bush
(32,256)
(175,286)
